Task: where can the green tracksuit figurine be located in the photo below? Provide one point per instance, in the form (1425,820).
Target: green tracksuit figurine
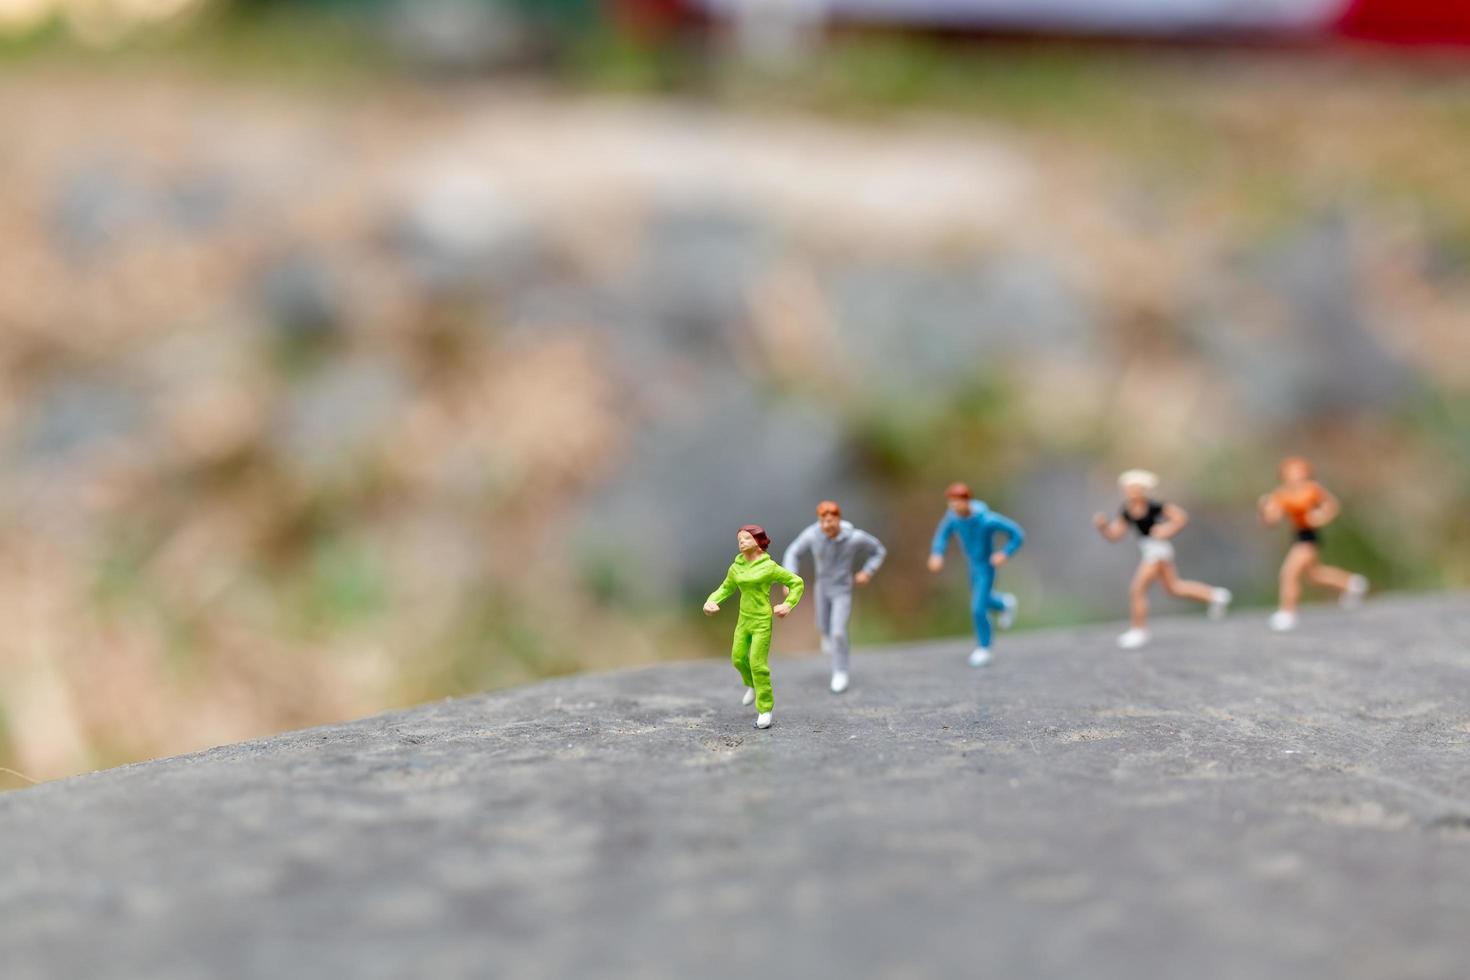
(753,572)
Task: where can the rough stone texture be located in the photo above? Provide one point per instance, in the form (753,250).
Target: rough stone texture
(1226,803)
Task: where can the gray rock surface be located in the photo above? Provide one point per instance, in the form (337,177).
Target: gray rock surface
(1226,803)
(94,207)
(75,415)
(1294,335)
(337,417)
(958,318)
(302,298)
(765,453)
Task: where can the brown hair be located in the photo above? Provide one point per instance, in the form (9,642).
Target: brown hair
(958,490)
(828,506)
(759,533)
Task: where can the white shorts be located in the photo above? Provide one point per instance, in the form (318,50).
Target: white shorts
(1155,550)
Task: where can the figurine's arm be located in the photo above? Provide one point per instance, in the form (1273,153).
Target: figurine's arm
(1270,509)
(794,588)
(1111,530)
(800,546)
(1175,518)
(1015,537)
(1326,511)
(725,591)
(941,541)
(876,554)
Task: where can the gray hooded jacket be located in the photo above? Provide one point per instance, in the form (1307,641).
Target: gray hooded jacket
(836,558)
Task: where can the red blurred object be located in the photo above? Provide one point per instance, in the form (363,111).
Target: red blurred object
(650,19)
(1408,21)
(1416,22)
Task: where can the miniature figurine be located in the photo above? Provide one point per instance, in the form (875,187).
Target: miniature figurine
(1309,507)
(835,547)
(976,526)
(753,572)
(1156,523)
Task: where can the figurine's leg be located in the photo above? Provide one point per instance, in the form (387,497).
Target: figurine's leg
(1330,576)
(841,611)
(980,585)
(740,653)
(1350,586)
(1003,603)
(1184,588)
(1138,594)
(1302,556)
(760,667)
(824,619)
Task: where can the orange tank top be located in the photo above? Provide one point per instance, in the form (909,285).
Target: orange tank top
(1298,502)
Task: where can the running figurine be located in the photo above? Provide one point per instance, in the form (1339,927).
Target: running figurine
(843,556)
(1307,504)
(976,526)
(1155,523)
(752,573)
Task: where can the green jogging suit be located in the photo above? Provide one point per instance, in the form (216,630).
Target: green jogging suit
(752,648)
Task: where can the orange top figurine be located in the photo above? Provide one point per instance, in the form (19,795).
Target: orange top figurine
(1310,507)
(1298,503)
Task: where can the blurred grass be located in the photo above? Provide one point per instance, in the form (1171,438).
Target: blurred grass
(345,583)
(879,74)
(278,46)
(493,623)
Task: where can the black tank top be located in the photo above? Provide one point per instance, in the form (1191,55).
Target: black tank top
(1143,525)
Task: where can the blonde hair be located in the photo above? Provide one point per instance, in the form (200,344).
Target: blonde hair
(1138,478)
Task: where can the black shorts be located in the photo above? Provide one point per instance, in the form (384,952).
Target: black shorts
(1308,535)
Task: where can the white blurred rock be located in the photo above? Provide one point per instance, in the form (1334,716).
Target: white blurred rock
(458,36)
(457,229)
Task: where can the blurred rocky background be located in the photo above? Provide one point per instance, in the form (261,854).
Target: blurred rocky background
(360,354)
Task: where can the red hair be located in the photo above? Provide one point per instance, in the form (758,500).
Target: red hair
(958,490)
(759,533)
(828,506)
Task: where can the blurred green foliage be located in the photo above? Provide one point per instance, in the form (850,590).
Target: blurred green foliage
(344,582)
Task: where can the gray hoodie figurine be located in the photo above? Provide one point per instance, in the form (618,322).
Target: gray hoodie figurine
(843,555)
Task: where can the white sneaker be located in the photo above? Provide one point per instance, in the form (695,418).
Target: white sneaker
(1352,596)
(839,681)
(1282,621)
(763,720)
(1007,617)
(1133,639)
(749,698)
(1220,601)
(979,657)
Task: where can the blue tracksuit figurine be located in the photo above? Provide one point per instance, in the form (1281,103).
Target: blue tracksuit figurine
(976,526)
